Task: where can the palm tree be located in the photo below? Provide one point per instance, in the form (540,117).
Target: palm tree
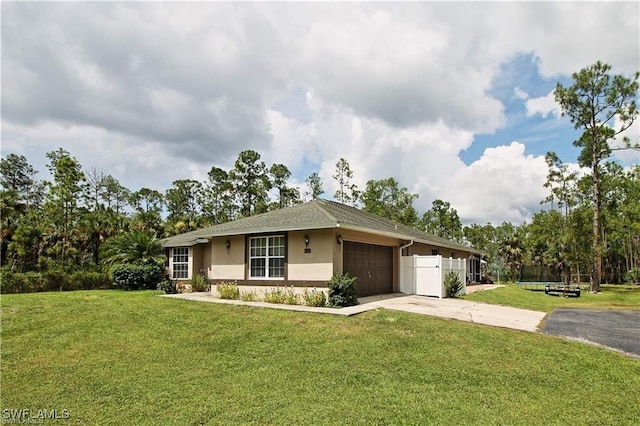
(135,247)
(512,251)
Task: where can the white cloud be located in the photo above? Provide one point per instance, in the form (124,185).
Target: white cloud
(520,94)
(544,106)
(504,184)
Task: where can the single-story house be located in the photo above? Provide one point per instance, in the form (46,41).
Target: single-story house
(304,245)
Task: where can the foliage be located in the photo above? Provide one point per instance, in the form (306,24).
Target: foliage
(512,252)
(314,185)
(314,298)
(443,221)
(228,291)
(251,183)
(135,247)
(52,280)
(138,276)
(93,350)
(182,206)
(287,196)
(276,295)
(291,297)
(168,286)
(386,199)
(633,276)
(199,283)
(249,296)
(342,290)
(603,106)
(346,192)
(216,199)
(452,284)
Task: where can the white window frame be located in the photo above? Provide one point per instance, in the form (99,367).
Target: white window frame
(269,251)
(182,254)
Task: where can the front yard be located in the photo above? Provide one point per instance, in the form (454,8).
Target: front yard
(113,357)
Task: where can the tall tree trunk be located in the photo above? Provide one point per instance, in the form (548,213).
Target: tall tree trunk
(597,239)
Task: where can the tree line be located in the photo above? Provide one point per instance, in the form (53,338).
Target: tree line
(591,224)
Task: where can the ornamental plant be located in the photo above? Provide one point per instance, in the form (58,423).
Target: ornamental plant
(342,290)
(452,284)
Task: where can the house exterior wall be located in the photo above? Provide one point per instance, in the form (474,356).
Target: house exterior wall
(316,264)
(227,264)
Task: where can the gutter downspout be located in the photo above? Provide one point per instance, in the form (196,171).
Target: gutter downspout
(400,275)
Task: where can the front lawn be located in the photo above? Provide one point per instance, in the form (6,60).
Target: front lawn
(111,357)
(612,297)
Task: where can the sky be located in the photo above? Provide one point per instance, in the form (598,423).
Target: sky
(452,99)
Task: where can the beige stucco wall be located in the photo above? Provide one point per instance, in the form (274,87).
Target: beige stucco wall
(197,261)
(317,265)
(227,264)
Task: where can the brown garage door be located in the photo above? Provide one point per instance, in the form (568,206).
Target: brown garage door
(373,265)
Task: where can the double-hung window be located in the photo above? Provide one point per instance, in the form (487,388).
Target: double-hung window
(180,267)
(266,257)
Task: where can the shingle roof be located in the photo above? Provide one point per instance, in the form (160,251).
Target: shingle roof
(316,214)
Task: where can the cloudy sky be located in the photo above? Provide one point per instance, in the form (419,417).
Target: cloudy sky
(452,99)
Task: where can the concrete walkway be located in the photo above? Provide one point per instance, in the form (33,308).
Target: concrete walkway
(463,310)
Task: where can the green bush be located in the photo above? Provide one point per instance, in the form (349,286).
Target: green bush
(168,286)
(632,276)
(52,280)
(275,296)
(249,296)
(82,280)
(228,291)
(291,297)
(314,298)
(342,290)
(199,283)
(138,277)
(452,284)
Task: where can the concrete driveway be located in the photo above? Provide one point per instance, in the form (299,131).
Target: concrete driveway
(619,330)
(464,310)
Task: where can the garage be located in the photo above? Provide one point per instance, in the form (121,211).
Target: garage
(372,264)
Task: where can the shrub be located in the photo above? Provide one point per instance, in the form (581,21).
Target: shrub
(291,297)
(82,280)
(11,282)
(53,280)
(228,291)
(249,296)
(632,276)
(342,290)
(314,298)
(452,284)
(275,296)
(168,286)
(199,283)
(138,277)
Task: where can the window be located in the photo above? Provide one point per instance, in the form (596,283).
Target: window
(266,257)
(180,267)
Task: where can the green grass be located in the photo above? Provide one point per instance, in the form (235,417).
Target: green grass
(612,297)
(111,357)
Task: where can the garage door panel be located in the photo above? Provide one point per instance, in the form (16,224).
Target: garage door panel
(372,264)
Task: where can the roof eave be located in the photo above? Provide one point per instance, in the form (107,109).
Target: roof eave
(402,236)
